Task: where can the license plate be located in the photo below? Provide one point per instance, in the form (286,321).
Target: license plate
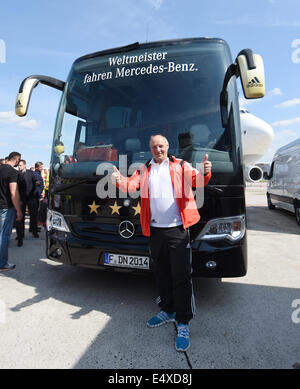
(122,260)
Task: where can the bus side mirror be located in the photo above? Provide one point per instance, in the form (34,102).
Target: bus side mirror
(251,70)
(24,95)
(28,85)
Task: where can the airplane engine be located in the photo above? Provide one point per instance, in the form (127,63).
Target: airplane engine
(253,174)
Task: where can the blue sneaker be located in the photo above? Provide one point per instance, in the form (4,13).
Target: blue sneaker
(161,318)
(183,337)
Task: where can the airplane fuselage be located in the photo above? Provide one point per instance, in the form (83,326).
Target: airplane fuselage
(257,136)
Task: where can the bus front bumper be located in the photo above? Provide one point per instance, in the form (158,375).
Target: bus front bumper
(208,260)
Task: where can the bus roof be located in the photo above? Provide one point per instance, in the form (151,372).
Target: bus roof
(138,45)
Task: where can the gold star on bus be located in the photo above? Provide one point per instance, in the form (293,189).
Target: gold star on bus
(94,208)
(137,209)
(115,208)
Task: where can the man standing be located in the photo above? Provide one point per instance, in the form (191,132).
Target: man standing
(27,188)
(9,205)
(166,215)
(37,195)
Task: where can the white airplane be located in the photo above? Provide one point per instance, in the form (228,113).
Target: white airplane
(257,136)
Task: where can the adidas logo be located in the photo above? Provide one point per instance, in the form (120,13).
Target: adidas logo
(254,83)
(19,104)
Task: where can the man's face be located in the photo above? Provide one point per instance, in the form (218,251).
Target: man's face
(159,148)
(17,161)
(40,168)
(22,166)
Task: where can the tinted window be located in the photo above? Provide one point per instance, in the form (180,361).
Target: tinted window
(114,103)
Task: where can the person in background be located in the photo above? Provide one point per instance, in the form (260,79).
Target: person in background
(37,195)
(2,161)
(27,187)
(45,175)
(42,214)
(9,206)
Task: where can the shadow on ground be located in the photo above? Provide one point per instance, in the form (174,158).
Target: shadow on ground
(238,325)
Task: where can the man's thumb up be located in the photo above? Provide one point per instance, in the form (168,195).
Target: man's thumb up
(116,176)
(205,158)
(206,165)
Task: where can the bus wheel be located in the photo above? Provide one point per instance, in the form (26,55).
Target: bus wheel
(297,212)
(270,205)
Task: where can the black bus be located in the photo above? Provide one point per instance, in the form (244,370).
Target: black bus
(112,102)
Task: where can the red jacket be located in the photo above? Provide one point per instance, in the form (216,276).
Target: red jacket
(183,176)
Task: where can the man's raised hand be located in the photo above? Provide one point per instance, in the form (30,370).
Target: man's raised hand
(116,175)
(206,165)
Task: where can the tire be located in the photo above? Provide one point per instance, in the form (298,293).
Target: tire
(297,212)
(270,205)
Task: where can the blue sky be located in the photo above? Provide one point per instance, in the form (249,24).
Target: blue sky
(45,37)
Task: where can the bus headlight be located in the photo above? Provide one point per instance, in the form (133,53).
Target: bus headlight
(56,221)
(231,228)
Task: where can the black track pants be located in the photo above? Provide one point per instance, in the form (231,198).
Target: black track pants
(171,253)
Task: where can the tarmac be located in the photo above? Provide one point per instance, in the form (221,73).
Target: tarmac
(55,316)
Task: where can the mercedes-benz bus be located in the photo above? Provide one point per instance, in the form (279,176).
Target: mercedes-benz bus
(111,103)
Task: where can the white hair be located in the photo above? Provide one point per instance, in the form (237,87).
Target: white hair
(153,136)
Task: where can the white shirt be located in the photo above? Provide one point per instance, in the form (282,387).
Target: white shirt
(163,205)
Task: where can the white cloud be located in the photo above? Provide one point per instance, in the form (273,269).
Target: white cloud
(2,51)
(250,21)
(4,143)
(243,102)
(287,122)
(11,118)
(281,138)
(156,3)
(41,147)
(288,103)
(46,52)
(246,102)
(29,123)
(283,135)
(275,92)
(295,54)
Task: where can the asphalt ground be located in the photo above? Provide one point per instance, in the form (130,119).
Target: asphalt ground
(55,316)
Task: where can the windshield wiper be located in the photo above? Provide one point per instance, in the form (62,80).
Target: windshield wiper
(62,187)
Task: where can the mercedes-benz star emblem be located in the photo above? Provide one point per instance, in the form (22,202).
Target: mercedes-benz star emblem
(126,229)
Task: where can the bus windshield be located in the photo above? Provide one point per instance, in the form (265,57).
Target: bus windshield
(115,101)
